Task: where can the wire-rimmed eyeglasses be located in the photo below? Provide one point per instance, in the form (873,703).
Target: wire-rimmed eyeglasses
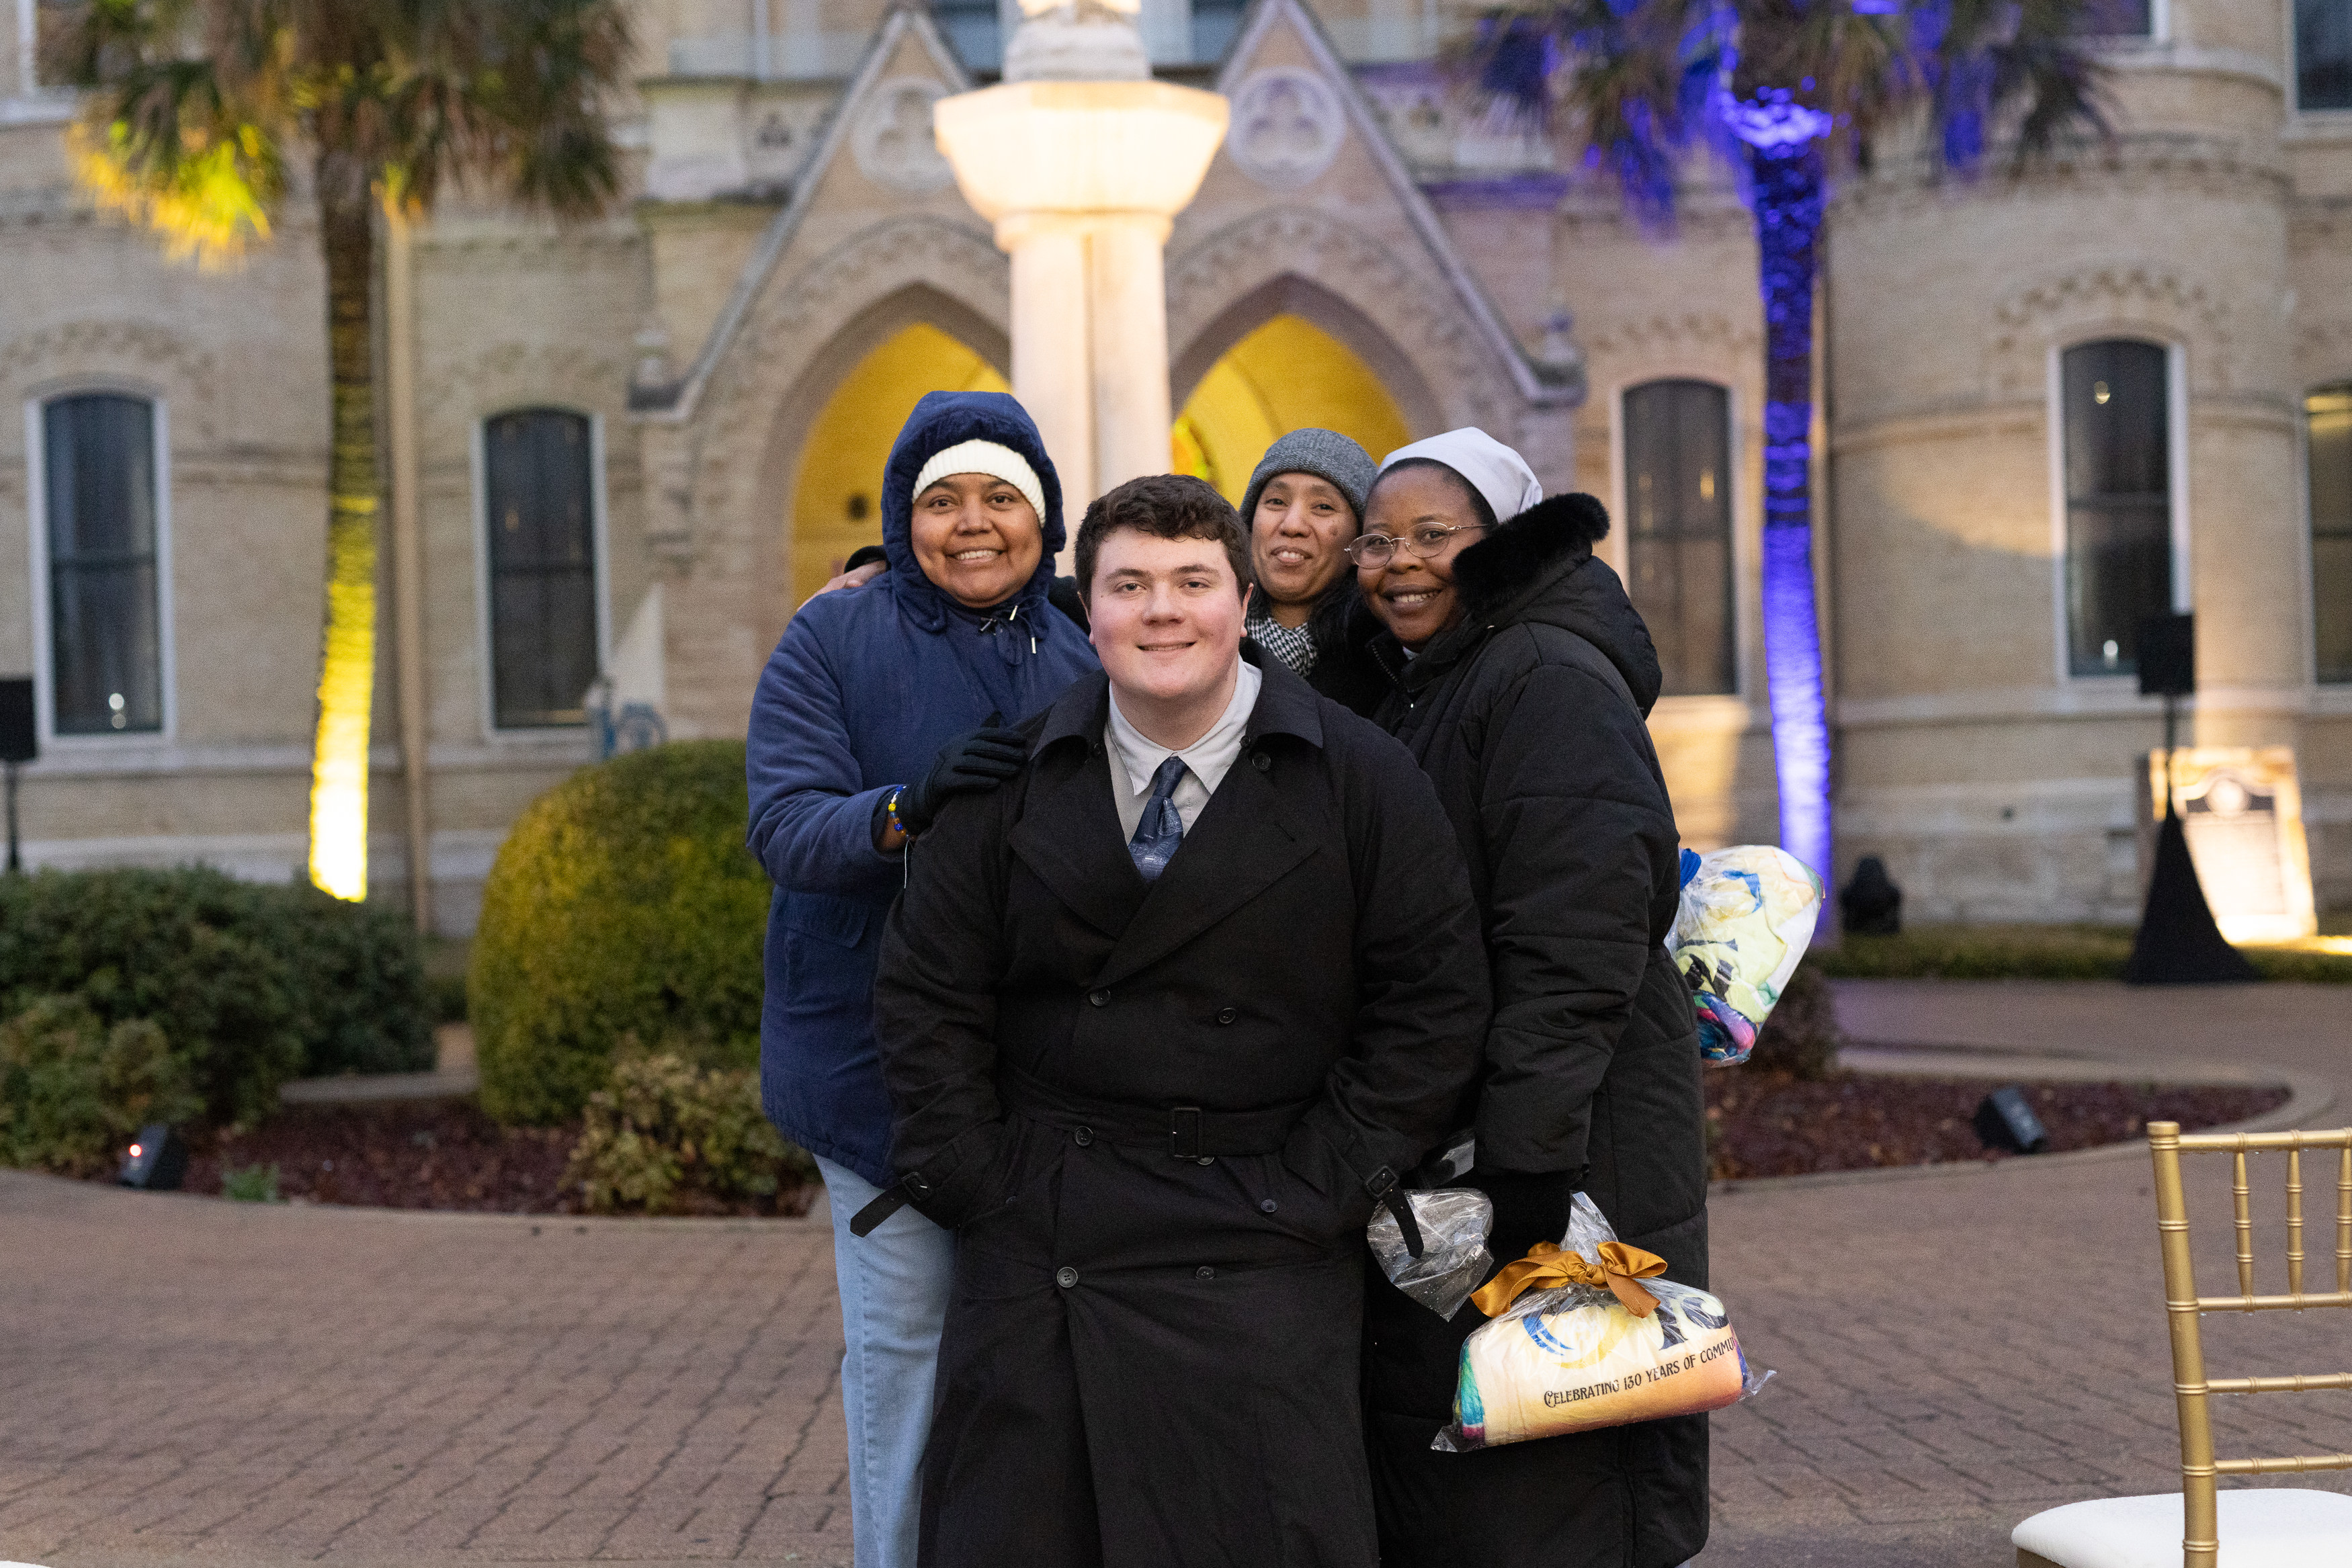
(1376,550)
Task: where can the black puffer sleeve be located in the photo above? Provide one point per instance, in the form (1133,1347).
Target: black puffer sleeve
(1577,832)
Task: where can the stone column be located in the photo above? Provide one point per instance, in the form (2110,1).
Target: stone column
(1081,160)
(1127,295)
(1052,364)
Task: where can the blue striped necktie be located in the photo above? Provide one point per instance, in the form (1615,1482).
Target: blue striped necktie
(1160,830)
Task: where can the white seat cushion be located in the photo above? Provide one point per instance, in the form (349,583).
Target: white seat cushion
(2262,1529)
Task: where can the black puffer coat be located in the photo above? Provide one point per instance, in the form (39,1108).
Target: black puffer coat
(1528,716)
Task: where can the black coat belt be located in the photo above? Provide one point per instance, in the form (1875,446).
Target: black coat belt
(1186,1132)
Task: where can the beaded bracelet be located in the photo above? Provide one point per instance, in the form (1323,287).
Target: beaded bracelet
(890,810)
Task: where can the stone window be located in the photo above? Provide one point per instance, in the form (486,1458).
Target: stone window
(2118,476)
(102,545)
(2328,421)
(539,494)
(2323,54)
(1678,532)
(100,538)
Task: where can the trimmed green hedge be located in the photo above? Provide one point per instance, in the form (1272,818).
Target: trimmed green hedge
(2034,953)
(623,908)
(252,984)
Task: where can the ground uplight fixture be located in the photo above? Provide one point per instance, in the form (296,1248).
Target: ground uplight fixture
(2005,1120)
(156,1161)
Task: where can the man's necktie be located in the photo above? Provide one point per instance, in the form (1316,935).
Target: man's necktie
(1160,830)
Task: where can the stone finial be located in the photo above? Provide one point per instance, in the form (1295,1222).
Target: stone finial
(1079,40)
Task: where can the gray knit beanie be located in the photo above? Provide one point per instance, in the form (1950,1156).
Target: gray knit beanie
(1327,455)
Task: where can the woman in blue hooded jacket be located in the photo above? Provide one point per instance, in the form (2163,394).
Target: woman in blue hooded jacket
(875,706)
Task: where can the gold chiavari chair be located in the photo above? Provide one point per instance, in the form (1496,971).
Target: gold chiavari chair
(2199,1526)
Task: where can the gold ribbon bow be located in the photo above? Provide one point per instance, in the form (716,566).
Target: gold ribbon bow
(1546,1267)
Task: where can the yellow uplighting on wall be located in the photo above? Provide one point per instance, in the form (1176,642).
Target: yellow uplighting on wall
(338,769)
(836,502)
(1288,375)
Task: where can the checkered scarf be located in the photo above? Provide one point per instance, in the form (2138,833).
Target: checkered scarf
(1294,645)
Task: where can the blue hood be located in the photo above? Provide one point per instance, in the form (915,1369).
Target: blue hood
(945,419)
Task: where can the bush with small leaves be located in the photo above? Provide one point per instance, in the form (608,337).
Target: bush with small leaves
(73,1090)
(252,1184)
(253,983)
(665,1135)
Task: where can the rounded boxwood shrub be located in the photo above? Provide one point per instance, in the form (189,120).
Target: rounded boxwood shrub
(251,983)
(623,907)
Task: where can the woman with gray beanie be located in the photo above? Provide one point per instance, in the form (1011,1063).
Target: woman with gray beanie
(1304,503)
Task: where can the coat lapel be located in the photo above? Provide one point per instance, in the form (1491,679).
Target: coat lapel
(1068,835)
(1245,842)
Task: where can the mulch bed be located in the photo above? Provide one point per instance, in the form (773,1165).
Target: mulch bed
(420,1154)
(447,1154)
(1770,1124)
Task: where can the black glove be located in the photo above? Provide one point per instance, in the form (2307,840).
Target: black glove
(970,764)
(1530,1206)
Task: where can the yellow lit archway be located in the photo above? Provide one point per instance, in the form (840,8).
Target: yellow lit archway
(1288,374)
(836,500)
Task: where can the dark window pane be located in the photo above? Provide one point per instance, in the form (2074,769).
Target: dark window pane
(539,497)
(2119,18)
(2118,501)
(97,457)
(2323,54)
(2328,416)
(1214,24)
(974,30)
(1678,529)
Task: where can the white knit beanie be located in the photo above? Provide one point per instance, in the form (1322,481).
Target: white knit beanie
(989,457)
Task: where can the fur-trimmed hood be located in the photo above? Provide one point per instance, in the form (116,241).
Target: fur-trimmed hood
(1539,567)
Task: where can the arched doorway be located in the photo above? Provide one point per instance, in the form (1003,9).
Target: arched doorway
(1287,374)
(836,499)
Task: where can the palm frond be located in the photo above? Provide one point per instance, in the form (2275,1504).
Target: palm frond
(162,139)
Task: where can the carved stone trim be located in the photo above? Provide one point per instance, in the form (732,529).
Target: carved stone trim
(1415,310)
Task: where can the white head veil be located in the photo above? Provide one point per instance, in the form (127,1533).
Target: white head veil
(1491,468)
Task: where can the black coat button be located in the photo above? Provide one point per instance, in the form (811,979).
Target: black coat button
(1261,761)
(1099,998)
(1065,1276)
(1204,1272)
(1268,1206)
(1083,1136)
(1227,1015)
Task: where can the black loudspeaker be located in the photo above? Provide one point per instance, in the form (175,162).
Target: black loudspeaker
(2167,656)
(18,742)
(157,1160)
(2004,1120)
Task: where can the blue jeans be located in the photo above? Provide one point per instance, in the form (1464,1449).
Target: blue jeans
(894,1298)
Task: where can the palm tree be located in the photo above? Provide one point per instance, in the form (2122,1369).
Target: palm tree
(193,109)
(1791,92)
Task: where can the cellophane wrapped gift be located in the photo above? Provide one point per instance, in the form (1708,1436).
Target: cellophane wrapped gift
(1747,916)
(1615,1345)
(1453,1222)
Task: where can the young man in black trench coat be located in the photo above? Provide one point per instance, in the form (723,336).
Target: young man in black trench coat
(1162,1019)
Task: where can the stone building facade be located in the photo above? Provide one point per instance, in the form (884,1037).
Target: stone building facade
(2050,405)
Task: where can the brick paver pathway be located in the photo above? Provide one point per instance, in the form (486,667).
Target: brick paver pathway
(187,1381)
